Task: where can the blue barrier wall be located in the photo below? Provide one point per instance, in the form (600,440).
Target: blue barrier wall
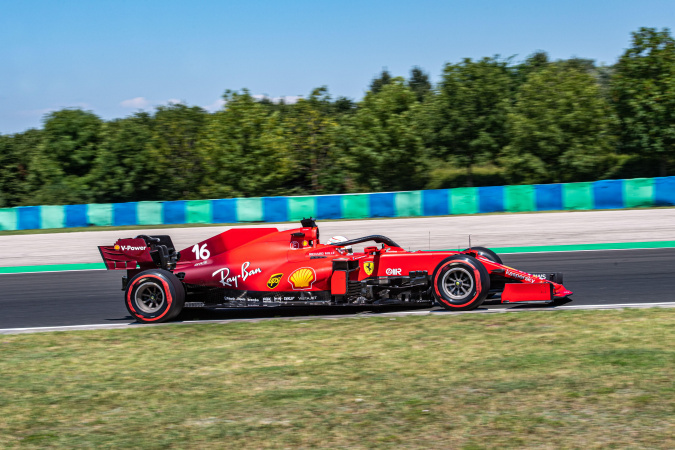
(605,194)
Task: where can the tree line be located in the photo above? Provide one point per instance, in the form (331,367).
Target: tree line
(490,121)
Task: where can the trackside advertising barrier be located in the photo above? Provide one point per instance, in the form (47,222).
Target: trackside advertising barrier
(605,194)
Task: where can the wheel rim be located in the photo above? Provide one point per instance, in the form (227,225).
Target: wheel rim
(457,283)
(149,297)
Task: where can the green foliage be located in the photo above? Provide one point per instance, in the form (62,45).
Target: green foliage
(419,83)
(559,127)
(383,146)
(468,117)
(643,88)
(16,152)
(63,161)
(244,150)
(381,81)
(174,152)
(124,169)
(310,131)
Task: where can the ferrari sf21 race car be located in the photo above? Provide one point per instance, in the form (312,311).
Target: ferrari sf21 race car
(258,267)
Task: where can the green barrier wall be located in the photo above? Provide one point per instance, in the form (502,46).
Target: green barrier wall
(100,215)
(638,192)
(149,213)
(250,210)
(355,206)
(464,200)
(8,219)
(519,198)
(52,217)
(198,211)
(578,196)
(408,204)
(301,207)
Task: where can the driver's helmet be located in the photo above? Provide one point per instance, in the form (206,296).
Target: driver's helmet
(337,240)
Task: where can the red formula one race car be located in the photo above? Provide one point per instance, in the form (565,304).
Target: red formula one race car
(254,267)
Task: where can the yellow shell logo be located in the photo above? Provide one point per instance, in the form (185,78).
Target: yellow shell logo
(368,267)
(274,280)
(302,278)
(116,247)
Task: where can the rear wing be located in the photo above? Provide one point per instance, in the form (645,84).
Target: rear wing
(144,252)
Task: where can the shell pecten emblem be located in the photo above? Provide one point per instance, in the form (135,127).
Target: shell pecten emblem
(368,267)
(302,278)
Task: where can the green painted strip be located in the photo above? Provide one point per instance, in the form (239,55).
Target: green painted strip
(585,247)
(52,268)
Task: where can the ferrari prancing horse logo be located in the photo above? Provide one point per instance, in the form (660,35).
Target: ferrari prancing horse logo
(368,267)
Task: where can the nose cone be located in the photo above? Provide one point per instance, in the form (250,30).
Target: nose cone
(562,291)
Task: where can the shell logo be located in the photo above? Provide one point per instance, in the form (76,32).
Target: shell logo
(116,247)
(302,279)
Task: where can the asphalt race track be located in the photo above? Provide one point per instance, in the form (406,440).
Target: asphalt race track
(95,297)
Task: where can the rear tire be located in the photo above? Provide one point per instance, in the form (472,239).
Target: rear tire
(460,283)
(154,296)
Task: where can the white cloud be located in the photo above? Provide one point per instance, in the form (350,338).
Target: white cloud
(288,99)
(138,102)
(215,106)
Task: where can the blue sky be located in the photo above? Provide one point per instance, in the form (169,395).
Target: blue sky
(116,57)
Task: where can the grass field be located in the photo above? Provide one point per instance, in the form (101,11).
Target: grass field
(573,379)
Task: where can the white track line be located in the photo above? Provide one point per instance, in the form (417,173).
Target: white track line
(104,326)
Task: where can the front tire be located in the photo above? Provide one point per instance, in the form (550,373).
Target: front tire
(154,296)
(460,283)
(487,253)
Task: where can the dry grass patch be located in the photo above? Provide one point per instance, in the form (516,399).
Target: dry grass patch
(565,379)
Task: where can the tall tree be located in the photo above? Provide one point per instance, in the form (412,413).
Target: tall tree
(125,169)
(468,117)
(176,131)
(244,147)
(16,152)
(383,144)
(310,134)
(419,83)
(559,128)
(64,159)
(381,81)
(643,88)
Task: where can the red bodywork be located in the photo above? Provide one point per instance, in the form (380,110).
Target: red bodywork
(268,267)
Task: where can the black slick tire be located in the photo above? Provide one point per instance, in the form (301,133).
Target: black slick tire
(154,296)
(460,283)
